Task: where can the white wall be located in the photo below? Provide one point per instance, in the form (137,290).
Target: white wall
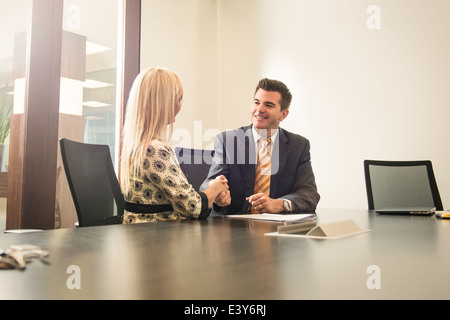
(181,35)
(358,93)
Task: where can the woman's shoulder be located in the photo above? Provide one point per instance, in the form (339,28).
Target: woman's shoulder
(159,149)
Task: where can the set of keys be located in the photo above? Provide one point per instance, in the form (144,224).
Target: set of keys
(17,256)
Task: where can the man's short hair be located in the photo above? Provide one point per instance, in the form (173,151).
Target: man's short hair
(278,86)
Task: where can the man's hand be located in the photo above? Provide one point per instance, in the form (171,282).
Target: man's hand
(223,199)
(263,203)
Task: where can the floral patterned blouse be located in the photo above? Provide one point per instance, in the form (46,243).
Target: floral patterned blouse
(161,181)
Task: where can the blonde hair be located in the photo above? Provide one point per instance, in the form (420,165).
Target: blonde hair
(150,110)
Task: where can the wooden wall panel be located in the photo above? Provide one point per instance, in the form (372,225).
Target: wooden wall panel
(15,166)
(3,184)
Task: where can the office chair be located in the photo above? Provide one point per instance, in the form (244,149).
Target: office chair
(93,183)
(195,164)
(401,184)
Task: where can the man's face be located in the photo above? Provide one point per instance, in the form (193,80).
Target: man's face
(266,110)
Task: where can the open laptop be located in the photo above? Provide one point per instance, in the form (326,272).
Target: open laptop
(425,211)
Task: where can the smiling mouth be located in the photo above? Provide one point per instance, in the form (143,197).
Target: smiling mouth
(259,117)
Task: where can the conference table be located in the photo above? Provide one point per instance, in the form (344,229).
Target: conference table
(219,258)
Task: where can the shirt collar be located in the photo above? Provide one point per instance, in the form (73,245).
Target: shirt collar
(256,135)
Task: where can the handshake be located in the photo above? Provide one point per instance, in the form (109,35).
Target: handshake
(220,195)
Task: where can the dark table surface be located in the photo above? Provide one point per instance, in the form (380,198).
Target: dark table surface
(222,258)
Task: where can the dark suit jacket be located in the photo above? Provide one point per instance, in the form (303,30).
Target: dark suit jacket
(292,174)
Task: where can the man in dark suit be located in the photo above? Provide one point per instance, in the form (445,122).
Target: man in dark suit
(292,183)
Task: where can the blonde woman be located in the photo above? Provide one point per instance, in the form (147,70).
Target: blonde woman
(151,179)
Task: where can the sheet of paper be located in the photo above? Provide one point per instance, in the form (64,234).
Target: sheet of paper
(275,216)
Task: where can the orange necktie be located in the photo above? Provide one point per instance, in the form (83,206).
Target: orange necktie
(262,174)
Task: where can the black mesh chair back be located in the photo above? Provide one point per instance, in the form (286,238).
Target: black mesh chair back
(93,183)
(401,184)
(195,164)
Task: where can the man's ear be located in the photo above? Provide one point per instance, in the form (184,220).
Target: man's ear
(284,114)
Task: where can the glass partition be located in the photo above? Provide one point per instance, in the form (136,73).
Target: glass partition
(15,21)
(88,108)
(88,98)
